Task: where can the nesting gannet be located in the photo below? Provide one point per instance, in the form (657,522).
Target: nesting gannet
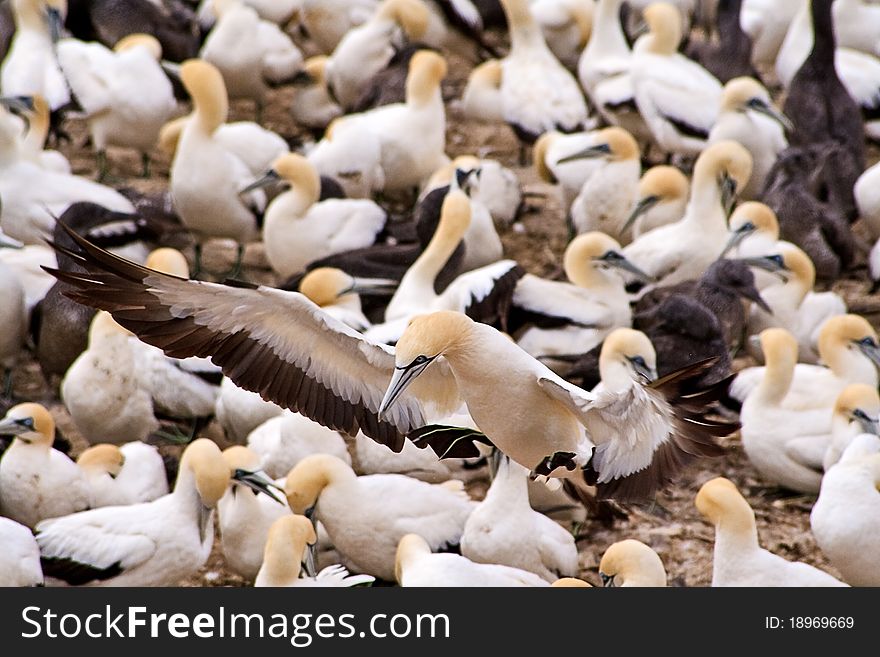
(250,53)
(607,196)
(504,529)
(856,412)
(283,441)
(566,25)
(337,293)
(538,93)
(19,555)
(124,92)
(367,48)
(367,516)
(328,21)
(791,301)
(677,97)
(481,98)
(604,71)
(351,156)
(551,158)
(102,390)
(846,517)
(747,116)
(31,66)
(564,427)
(416,565)
(739,560)
(848,346)
(241,411)
(244,515)
(554,318)
(786,447)
(156,543)
(286,544)
(206,177)
(299,228)
(683,250)
(36,480)
(130,474)
(312,105)
(631,563)
(662,199)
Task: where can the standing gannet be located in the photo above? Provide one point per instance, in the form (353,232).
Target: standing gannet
(250,53)
(849,349)
(102,390)
(241,411)
(856,412)
(739,560)
(786,447)
(19,555)
(124,92)
(793,304)
(288,539)
(504,529)
(394,392)
(846,517)
(156,543)
(299,228)
(538,94)
(566,25)
(365,517)
(631,563)
(416,565)
(604,71)
(31,66)
(366,49)
(36,480)
(748,117)
(243,515)
(683,250)
(130,474)
(286,439)
(312,106)
(206,177)
(662,199)
(605,199)
(556,318)
(337,294)
(677,98)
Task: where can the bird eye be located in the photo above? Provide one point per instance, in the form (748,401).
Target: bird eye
(27,422)
(868,342)
(777,259)
(638,360)
(612,255)
(747,227)
(420,360)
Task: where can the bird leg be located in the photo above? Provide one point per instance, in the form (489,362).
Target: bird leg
(145,165)
(7,383)
(236,268)
(197,265)
(103,167)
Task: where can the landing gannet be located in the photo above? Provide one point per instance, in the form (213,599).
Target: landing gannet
(19,555)
(631,563)
(856,412)
(739,560)
(36,480)
(151,544)
(286,544)
(130,474)
(311,363)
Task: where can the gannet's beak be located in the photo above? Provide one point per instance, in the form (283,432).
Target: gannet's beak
(869,424)
(772,263)
(728,192)
(599,150)
(16,426)
(619,261)
(56,23)
(268,178)
(870,348)
(403,377)
(642,206)
(760,106)
(257,482)
(641,368)
(737,237)
(372,286)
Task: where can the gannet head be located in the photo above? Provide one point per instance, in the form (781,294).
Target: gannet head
(627,355)
(325,285)
(721,503)
(631,562)
(727,164)
(146,41)
(244,464)
(411,15)
(848,333)
(660,184)
(664,25)
(860,403)
(613,144)
(596,250)
(309,477)
(571,583)
(293,169)
(103,458)
(411,545)
(539,155)
(203,459)
(168,261)
(748,218)
(205,85)
(30,423)
(747,94)
(103,326)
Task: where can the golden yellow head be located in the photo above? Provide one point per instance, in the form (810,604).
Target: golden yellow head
(103,326)
(631,563)
(426,70)
(664,182)
(30,423)
(239,457)
(664,24)
(633,350)
(324,285)
(571,583)
(858,397)
(431,335)
(168,261)
(739,91)
(723,160)
(310,476)
(487,75)
(205,85)
(203,458)
(409,546)
(299,173)
(848,331)
(102,458)
(146,41)
(294,531)
(621,144)
(760,216)
(539,155)
(411,15)
(719,501)
(316,68)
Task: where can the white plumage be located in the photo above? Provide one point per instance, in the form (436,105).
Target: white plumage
(129,474)
(19,555)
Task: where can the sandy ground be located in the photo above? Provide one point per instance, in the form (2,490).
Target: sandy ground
(671,525)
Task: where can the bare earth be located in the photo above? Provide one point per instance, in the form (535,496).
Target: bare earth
(671,525)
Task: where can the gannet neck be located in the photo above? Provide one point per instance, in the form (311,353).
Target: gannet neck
(208,91)
(303,178)
(426,70)
(35,139)
(735,529)
(285,549)
(509,487)
(312,475)
(780,356)
(203,475)
(665,24)
(607,37)
(28,16)
(525,33)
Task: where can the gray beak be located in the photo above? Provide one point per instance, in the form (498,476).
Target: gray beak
(269,178)
(772,263)
(7,242)
(607,580)
(728,192)
(372,286)
(644,204)
(16,426)
(599,150)
(18,104)
(619,261)
(257,483)
(56,23)
(868,423)
(762,107)
(310,563)
(402,379)
(641,368)
(871,349)
(737,237)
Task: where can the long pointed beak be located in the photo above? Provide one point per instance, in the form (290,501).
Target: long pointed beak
(600,150)
(310,563)
(765,263)
(728,193)
(269,178)
(735,240)
(776,115)
(257,483)
(171,68)
(753,295)
(56,23)
(13,427)
(7,242)
(18,104)
(871,350)
(372,286)
(644,204)
(402,379)
(866,422)
(627,265)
